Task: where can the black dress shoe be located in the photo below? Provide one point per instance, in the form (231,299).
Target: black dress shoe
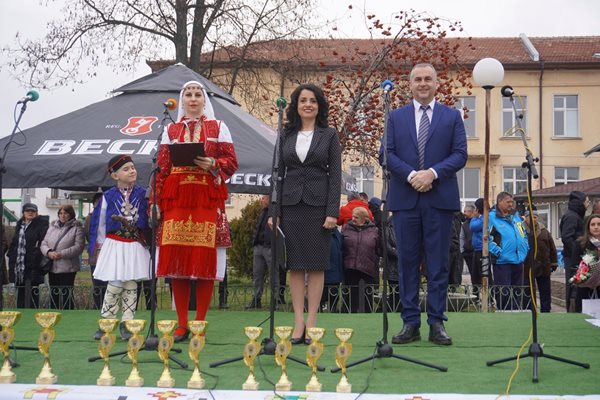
(253,305)
(181,337)
(125,334)
(409,333)
(438,334)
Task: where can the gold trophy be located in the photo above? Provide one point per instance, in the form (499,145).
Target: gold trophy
(107,341)
(165,343)
(251,350)
(342,353)
(281,353)
(196,345)
(7,320)
(46,320)
(314,351)
(134,344)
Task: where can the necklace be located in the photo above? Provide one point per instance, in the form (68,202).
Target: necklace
(188,136)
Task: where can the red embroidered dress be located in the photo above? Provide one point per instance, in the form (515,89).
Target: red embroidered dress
(190,200)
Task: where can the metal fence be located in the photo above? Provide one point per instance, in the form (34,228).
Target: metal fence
(341,298)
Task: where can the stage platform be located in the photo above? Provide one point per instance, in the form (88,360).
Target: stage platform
(477,337)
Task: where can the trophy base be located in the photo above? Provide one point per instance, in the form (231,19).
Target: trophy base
(137,382)
(165,382)
(196,384)
(343,388)
(106,381)
(46,380)
(8,378)
(313,385)
(250,386)
(283,387)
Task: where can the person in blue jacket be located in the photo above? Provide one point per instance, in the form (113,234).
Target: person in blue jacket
(508,245)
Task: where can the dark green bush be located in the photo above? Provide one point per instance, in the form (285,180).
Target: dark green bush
(239,256)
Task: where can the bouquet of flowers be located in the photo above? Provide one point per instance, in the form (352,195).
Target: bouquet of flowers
(587,271)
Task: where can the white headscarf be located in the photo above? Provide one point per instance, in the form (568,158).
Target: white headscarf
(209,112)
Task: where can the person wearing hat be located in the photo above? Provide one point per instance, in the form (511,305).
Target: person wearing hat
(545,262)
(117,228)
(571,228)
(24,256)
(194,232)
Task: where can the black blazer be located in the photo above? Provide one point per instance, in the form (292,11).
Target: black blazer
(317,180)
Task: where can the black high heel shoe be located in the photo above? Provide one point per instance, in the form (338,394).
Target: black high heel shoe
(180,338)
(300,340)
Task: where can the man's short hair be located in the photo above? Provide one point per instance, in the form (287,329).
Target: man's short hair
(502,195)
(353,196)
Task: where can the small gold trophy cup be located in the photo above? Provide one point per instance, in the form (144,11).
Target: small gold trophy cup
(281,353)
(251,350)
(196,345)
(107,341)
(134,344)
(7,320)
(342,353)
(313,353)
(47,320)
(165,343)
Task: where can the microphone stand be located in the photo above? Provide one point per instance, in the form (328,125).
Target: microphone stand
(151,342)
(27,288)
(384,349)
(535,350)
(268,344)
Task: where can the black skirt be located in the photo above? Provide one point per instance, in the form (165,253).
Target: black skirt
(307,242)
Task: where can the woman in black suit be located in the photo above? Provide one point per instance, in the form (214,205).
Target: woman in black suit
(310,163)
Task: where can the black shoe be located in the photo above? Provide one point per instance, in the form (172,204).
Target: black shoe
(438,334)
(125,334)
(301,340)
(223,306)
(409,333)
(98,335)
(180,338)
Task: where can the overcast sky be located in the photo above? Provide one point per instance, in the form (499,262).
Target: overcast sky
(479,18)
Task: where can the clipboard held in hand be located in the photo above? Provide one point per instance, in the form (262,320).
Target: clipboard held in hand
(183,154)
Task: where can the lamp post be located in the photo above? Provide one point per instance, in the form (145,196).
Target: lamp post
(487,73)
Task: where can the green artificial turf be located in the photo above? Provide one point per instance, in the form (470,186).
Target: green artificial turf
(477,338)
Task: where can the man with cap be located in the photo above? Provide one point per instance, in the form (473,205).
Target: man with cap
(24,256)
(545,261)
(571,227)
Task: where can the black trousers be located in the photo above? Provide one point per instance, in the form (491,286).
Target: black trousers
(360,297)
(61,290)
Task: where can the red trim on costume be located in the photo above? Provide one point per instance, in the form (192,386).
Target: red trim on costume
(119,238)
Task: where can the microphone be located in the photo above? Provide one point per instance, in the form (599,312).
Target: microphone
(170,104)
(281,103)
(507,91)
(387,86)
(32,95)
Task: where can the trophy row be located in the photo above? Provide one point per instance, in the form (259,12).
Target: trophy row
(47,320)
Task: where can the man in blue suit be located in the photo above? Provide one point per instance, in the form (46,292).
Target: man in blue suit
(426,146)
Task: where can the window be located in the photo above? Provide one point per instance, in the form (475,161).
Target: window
(564,175)
(467,103)
(364,176)
(514,180)
(566,116)
(508,116)
(468,185)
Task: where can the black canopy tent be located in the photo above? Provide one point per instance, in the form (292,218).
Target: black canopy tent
(70,152)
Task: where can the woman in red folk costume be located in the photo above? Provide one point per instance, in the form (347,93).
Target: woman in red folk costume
(194,232)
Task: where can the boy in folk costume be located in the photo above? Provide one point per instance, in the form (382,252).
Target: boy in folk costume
(117,227)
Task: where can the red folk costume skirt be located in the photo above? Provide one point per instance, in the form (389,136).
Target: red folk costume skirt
(193,225)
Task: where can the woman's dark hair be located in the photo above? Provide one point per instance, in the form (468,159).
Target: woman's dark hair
(294,123)
(69,210)
(585,238)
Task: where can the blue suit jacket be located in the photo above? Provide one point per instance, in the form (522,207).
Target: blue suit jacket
(445,152)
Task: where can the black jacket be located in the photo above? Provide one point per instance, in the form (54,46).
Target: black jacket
(262,233)
(571,224)
(33,237)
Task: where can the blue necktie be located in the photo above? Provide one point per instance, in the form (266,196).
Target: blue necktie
(423,135)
